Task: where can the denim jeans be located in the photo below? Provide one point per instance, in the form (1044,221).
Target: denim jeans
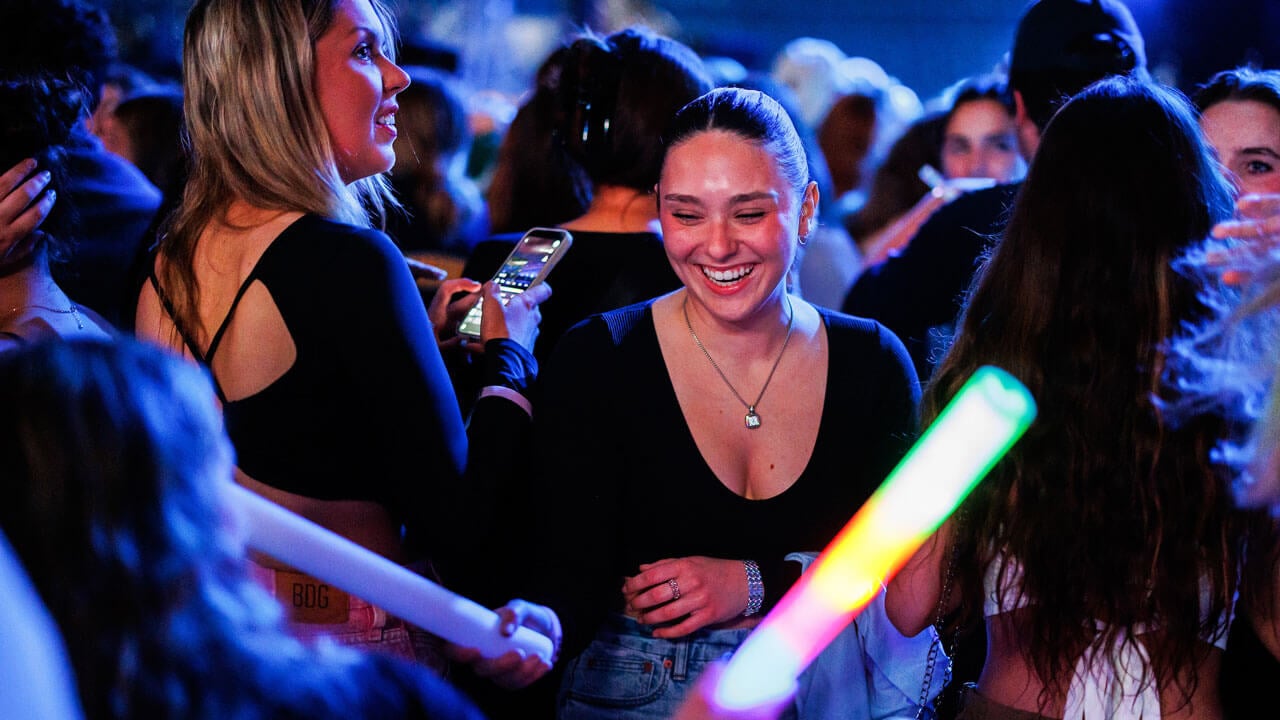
(627,674)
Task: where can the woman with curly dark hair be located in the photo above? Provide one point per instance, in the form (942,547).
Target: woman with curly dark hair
(1103,552)
(37,114)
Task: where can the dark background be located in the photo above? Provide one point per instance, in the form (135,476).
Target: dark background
(926,44)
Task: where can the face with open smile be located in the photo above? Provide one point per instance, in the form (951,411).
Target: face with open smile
(356,84)
(730,223)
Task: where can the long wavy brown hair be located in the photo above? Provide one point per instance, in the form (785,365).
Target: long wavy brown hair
(255,130)
(1115,513)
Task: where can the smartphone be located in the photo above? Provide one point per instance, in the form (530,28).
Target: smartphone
(527,265)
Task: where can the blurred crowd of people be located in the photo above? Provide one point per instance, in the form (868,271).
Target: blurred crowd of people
(775,280)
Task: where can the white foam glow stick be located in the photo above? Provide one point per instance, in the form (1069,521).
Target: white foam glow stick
(296,541)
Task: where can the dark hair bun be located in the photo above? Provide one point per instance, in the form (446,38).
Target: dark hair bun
(37,112)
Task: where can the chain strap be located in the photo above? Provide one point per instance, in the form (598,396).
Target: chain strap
(944,599)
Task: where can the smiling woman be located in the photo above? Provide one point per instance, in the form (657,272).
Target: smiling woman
(322,354)
(356,83)
(738,424)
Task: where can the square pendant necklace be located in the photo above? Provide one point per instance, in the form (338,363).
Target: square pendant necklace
(752,418)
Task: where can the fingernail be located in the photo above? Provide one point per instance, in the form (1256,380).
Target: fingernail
(29,164)
(53,195)
(509,628)
(46,176)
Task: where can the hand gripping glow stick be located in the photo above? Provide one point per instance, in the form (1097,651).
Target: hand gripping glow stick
(312,549)
(972,433)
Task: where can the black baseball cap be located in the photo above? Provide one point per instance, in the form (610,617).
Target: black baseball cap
(1076,36)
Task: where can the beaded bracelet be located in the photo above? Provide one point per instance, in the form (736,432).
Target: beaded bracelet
(755,588)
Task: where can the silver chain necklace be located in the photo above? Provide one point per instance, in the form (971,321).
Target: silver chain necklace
(752,419)
(72,310)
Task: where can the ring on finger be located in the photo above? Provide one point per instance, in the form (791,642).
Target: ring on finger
(675,588)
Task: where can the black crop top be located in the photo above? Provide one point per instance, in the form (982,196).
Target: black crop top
(366,412)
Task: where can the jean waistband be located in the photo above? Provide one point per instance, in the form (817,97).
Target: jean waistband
(699,646)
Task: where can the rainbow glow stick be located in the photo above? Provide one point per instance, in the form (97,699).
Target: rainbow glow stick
(293,539)
(972,433)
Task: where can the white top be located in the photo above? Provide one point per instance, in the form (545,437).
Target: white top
(1109,681)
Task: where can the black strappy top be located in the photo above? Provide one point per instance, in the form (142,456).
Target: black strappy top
(367,411)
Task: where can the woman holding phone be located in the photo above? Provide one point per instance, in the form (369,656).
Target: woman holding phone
(715,429)
(321,351)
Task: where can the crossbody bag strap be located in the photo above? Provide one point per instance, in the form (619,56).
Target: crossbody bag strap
(944,599)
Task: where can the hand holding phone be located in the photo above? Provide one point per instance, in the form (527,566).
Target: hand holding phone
(527,266)
(519,319)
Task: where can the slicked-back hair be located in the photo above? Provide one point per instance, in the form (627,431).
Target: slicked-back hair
(752,115)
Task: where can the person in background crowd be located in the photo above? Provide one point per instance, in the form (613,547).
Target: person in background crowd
(148,133)
(980,138)
(1240,115)
(114,201)
(810,68)
(613,99)
(37,114)
(1061,46)
(120,81)
(535,183)
(445,210)
(975,140)
(609,100)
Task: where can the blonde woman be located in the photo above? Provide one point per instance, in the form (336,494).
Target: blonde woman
(321,351)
